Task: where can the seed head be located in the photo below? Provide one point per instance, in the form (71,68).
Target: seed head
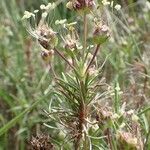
(127,140)
(41,142)
(101,34)
(69,5)
(70,43)
(47,55)
(78,5)
(93,71)
(47,37)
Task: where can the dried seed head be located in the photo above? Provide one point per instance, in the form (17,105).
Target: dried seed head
(104,114)
(101,34)
(47,37)
(127,140)
(70,43)
(47,55)
(93,71)
(41,142)
(77,5)
(69,5)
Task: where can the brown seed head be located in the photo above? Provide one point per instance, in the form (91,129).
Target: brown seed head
(47,37)
(102,30)
(127,140)
(41,142)
(80,4)
(47,55)
(101,34)
(70,43)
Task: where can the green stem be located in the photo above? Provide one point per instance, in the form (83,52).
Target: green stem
(109,139)
(85,143)
(85,33)
(146,142)
(144,111)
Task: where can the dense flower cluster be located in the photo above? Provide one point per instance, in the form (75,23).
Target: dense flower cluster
(80,4)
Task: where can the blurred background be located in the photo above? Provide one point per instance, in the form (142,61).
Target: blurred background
(24,79)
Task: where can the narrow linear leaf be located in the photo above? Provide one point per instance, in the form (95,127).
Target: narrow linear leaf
(11,123)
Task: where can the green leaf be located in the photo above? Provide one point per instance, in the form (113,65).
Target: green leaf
(11,123)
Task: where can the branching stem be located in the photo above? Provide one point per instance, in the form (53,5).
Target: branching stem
(62,56)
(94,55)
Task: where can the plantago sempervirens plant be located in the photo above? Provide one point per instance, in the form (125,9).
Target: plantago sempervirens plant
(80,115)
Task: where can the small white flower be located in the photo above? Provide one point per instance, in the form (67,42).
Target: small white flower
(42,7)
(117,7)
(112,4)
(36,11)
(53,5)
(117,88)
(122,125)
(44,15)
(50,6)
(89,56)
(123,107)
(115,116)
(27,15)
(90,46)
(105,2)
(130,112)
(79,47)
(135,118)
(148,4)
(60,21)
(95,127)
(71,24)
(104,28)
(62,133)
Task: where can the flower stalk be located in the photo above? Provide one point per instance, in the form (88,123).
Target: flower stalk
(63,57)
(85,33)
(94,55)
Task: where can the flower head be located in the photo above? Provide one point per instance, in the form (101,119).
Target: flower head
(80,4)
(50,6)
(105,2)
(41,142)
(47,37)
(101,34)
(60,21)
(36,11)
(47,55)
(42,32)
(70,43)
(27,15)
(117,7)
(127,140)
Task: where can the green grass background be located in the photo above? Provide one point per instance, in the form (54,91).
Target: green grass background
(25,85)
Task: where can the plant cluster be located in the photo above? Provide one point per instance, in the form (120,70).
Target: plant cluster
(82,119)
(98,91)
